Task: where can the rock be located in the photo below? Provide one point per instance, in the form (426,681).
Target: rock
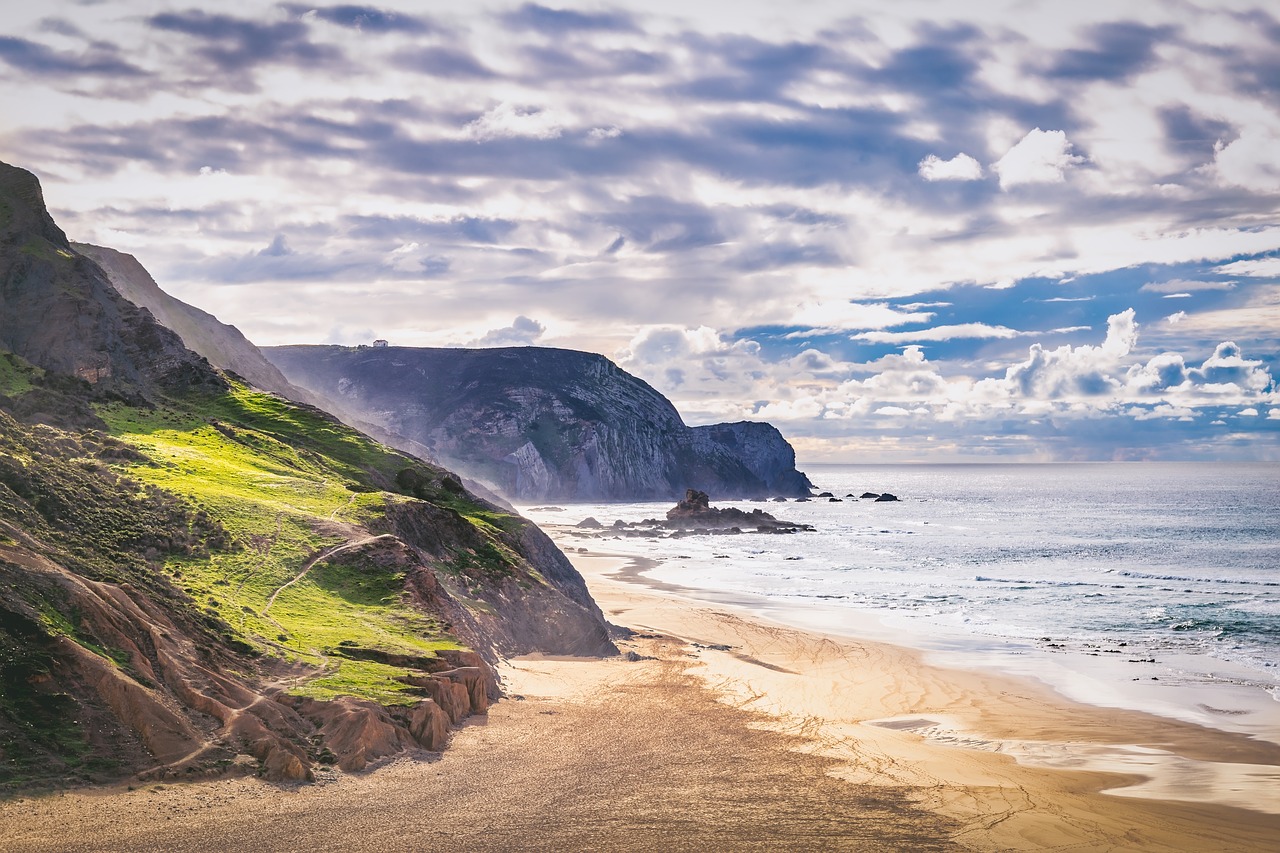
(780,499)
(871,495)
(835,500)
(824,495)
(541,424)
(224,346)
(696,513)
(589,523)
(886,497)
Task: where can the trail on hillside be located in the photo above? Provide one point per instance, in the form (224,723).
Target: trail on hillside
(337,549)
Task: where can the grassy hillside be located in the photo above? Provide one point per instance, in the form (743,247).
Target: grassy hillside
(287,486)
(291,550)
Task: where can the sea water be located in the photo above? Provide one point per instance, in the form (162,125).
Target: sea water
(1145,585)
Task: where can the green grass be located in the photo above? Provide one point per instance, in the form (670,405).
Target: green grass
(277,477)
(16,375)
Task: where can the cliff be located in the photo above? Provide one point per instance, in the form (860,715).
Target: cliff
(536,423)
(223,345)
(199,578)
(60,312)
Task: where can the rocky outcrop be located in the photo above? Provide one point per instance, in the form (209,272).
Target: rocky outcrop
(694,516)
(223,345)
(535,423)
(694,511)
(59,311)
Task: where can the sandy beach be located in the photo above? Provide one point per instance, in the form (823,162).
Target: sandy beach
(720,730)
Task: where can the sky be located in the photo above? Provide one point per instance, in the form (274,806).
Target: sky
(900,232)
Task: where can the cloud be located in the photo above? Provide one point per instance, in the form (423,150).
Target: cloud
(550,21)
(1228,367)
(1182,286)
(1071,371)
(1041,157)
(1249,161)
(1122,49)
(446,62)
(39,60)
(941,333)
(1261,268)
(961,167)
(522,332)
(365,18)
(236,45)
(509,121)
(753,196)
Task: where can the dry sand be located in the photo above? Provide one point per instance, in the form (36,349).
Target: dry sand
(785,740)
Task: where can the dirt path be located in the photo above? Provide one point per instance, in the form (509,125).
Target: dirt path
(337,549)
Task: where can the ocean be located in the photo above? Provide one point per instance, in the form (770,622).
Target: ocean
(1146,585)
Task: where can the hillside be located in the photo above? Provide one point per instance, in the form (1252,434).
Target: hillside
(223,345)
(536,423)
(199,578)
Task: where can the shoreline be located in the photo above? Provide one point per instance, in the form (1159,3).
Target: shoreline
(723,730)
(1097,682)
(1182,761)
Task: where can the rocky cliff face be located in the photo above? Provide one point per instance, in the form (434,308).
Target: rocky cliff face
(198,578)
(223,345)
(543,424)
(59,311)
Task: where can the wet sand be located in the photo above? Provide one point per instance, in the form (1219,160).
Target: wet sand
(734,734)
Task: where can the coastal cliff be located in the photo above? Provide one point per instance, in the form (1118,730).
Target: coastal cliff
(223,345)
(537,423)
(199,578)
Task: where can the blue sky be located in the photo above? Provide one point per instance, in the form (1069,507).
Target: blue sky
(913,231)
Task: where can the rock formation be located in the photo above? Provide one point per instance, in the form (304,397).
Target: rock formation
(223,345)
(543,424)
(59,311)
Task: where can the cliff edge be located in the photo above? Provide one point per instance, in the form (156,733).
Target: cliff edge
(536,423)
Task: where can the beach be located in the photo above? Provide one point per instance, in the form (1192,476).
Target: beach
(719,729)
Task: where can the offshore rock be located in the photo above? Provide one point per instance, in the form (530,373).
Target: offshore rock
(695,512)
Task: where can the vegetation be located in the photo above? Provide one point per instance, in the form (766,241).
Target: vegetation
(224,508)
(285,483)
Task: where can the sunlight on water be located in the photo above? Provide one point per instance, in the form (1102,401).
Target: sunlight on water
(1145,572)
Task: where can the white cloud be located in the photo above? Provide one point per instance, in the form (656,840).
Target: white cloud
(1250,160)
(829,317)
(1182,286)
(1261,268)
(1176,318)
(961,167)
(1250,412)
(506,121)
(1041,157)
(522,332)
(940,333)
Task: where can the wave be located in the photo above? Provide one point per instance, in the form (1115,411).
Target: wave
(1184,579)
(1033,583)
